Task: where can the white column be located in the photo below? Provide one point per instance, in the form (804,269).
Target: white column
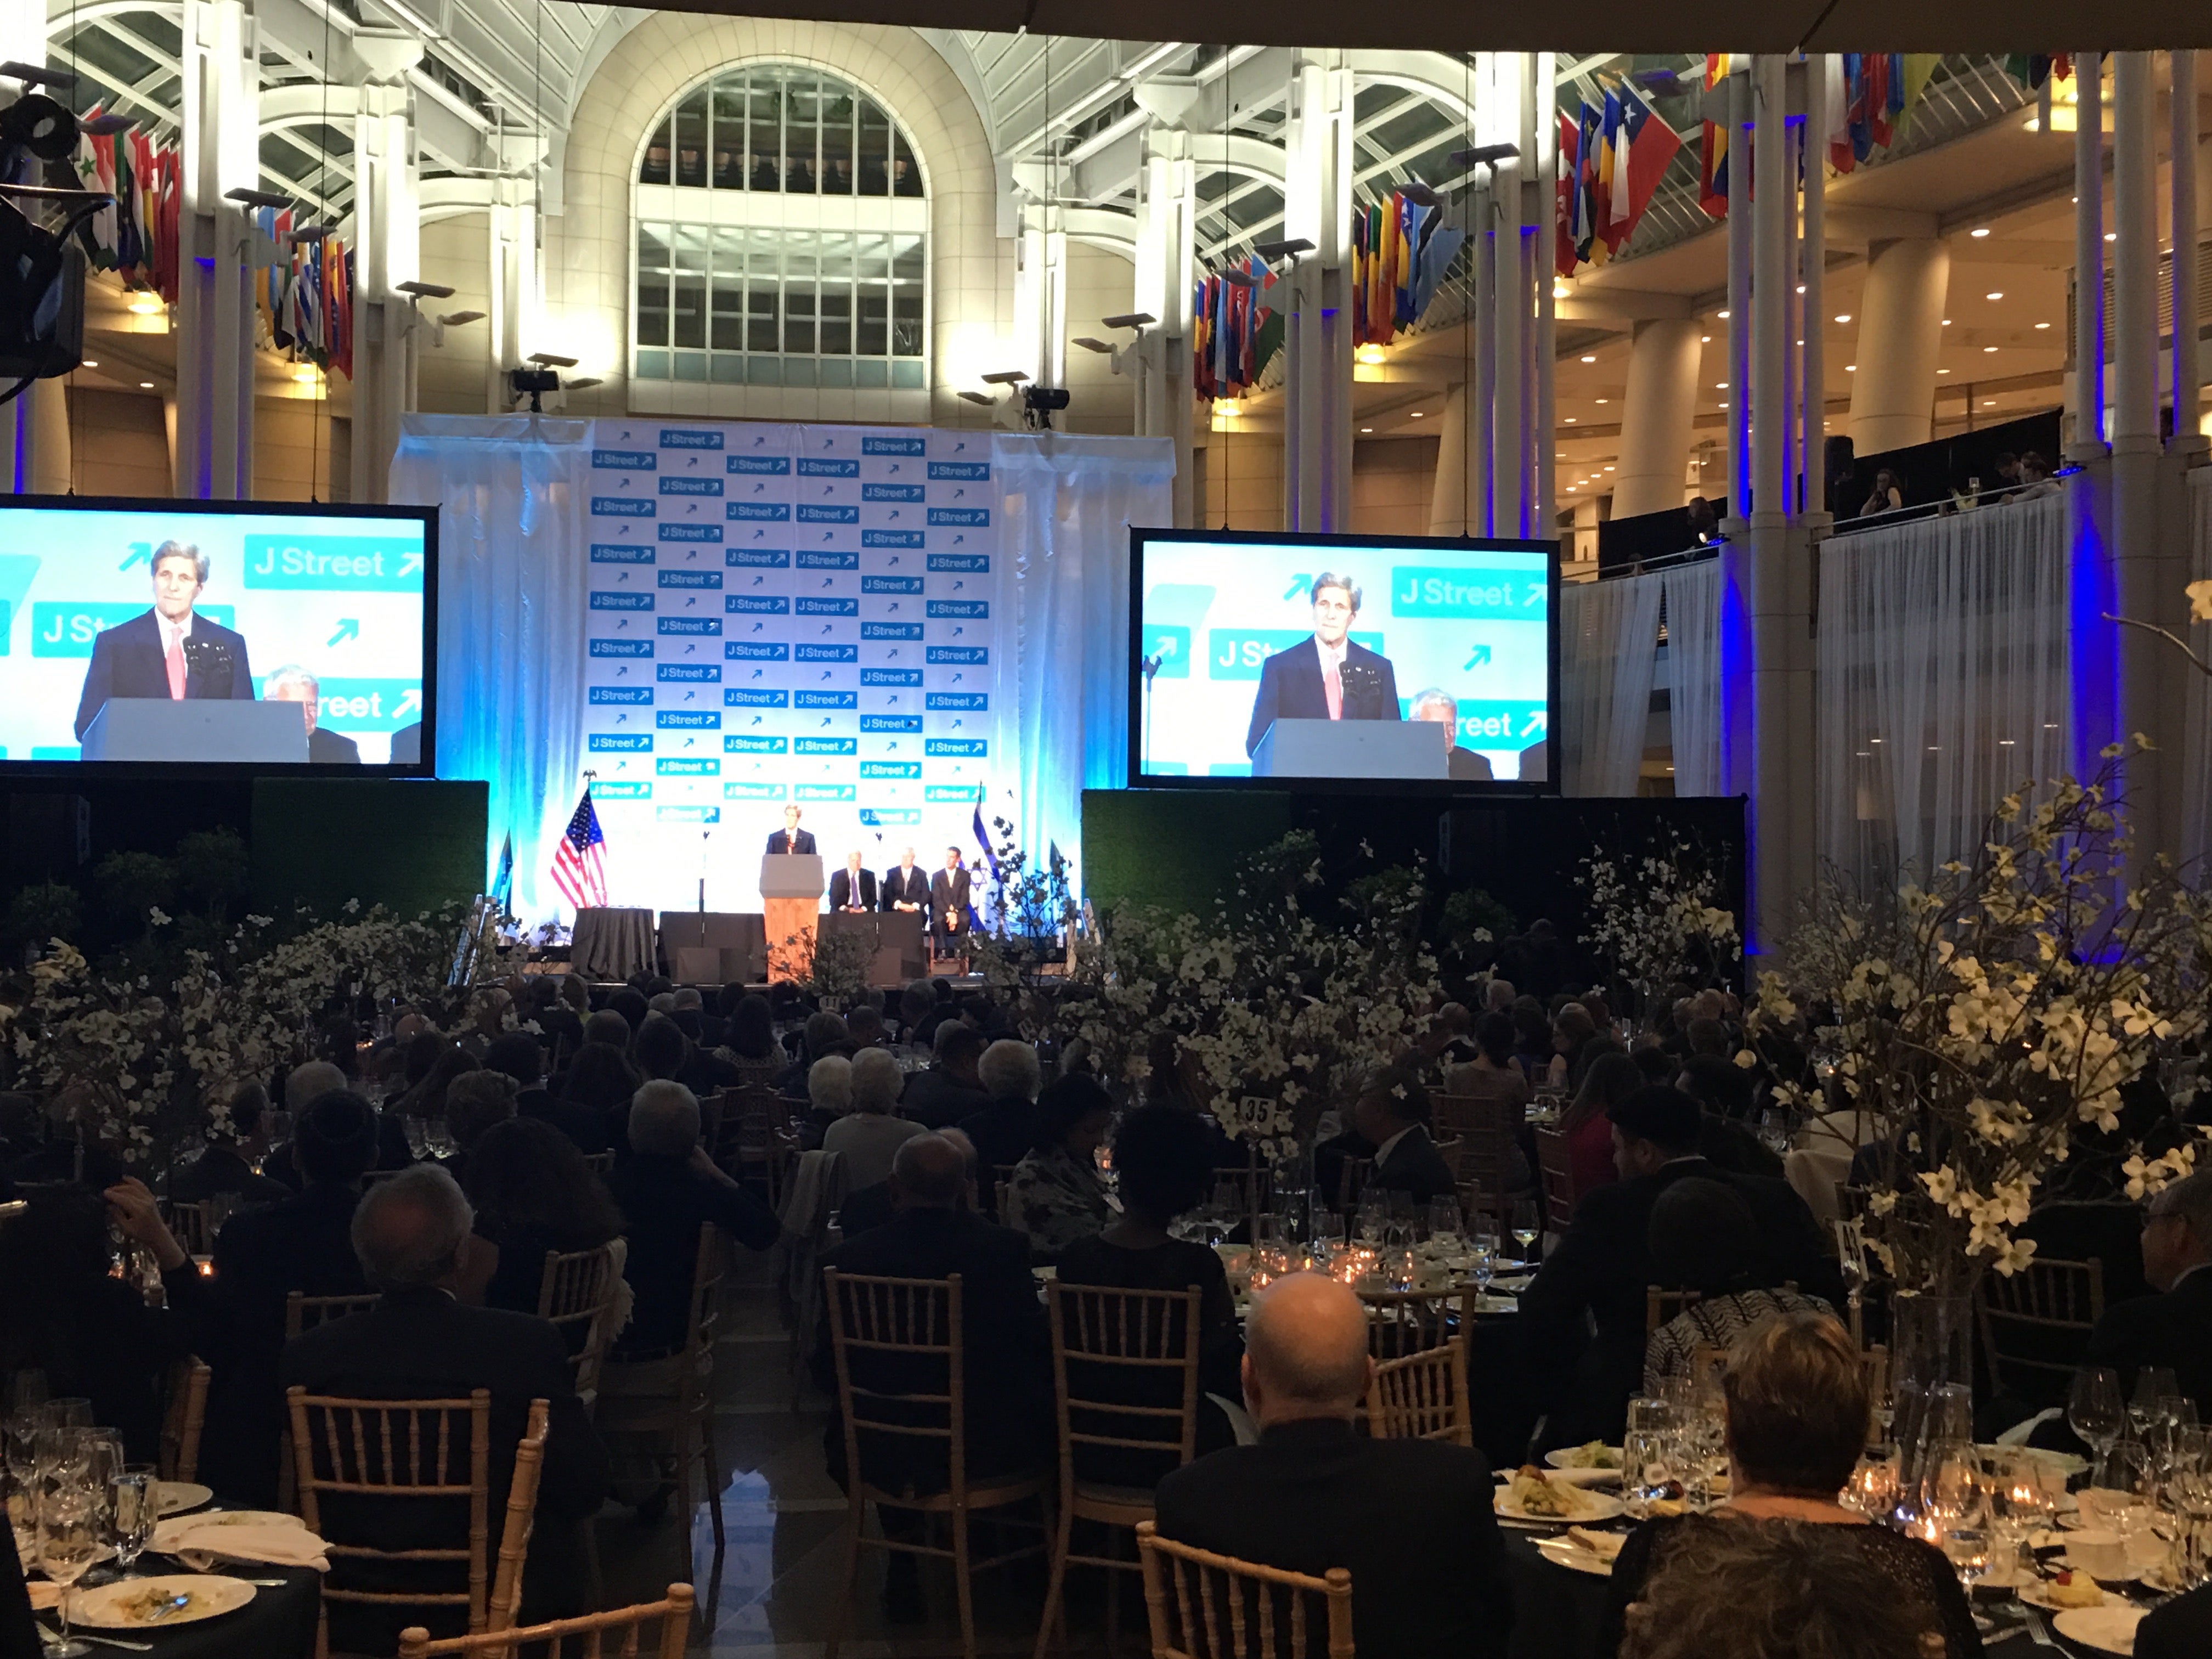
(1545,356)
(1478,425)
(1166,258)
(1658,411)
(1317,332)
(2188,415)
(1508,475)
(220,123)
(1900,335)
(2135,266)
(1739,283)
(1448,491)
(1812,266)
(386,253)
(514,286)
(2089,259)
(1770,320)
(1040,293)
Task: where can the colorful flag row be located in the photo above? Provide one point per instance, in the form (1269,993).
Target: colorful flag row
(1400,250)
(305,299)
(1610,162)
(1870,97)
(1226,353)
(137,238)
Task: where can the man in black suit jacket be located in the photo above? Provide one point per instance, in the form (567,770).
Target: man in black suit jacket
(2181,1629)
(1410,1520)
(412,1235)
(292,683)
(951,1091)
(907,887)
(791,838)
(1392,1114)
(1327,677)
(949,893)
(168,653)
(853,889)
(2175,1327)
(1602,1266)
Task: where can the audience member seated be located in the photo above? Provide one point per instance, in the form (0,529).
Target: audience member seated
(1533,1048)
(748,1038)
(870,1133)
(2175,1327)
(425,1099)
(603,1082)
(864,1026)
(1164,1168)
(1610,1080)
(533,1193)
(949,1092)
(1572,1031)
(668,1188)
(1004,1131)
(1602,1269)
(823,1034)
(1798,1410)
(1492,1061)
(92,1335)
(663,1051)
(1393,1113)
(828,1099)
(224,1168)
(1005,1352)
(917,1013)
(473,1103)
(1704,1238)
(2180,1628)
(518,1055)
(1410,1519)
(1055,1195)
(412,1237)
(76,1150)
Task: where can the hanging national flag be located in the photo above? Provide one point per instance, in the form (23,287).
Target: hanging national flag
(580,868)
(1644,151)
(1604,242)
(1919,66)
(1713,147)
(1590,138)
(1564,258)
(982,840)
(502,884)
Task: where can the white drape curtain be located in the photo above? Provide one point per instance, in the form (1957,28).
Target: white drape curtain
(1060,697)
(1942,666)
(1694,673)
(2196,712)
(1608,644)
(512,592)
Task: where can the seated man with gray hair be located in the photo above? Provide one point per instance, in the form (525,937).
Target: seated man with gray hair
(669,1188)
(413,1236)
(1410,1519)
(2175,1327)
(1460,765)
(293,684)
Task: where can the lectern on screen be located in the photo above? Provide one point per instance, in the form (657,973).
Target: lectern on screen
(235,636)
(1393,661)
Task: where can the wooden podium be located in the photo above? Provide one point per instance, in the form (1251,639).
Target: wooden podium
(791,886)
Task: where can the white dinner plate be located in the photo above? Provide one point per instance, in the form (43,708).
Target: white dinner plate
(1573,1557)
(175,1497)
(2107,1629)
(1592,1506)
(141,1603)
(2038,1595)
(166,1533)
(1571,1458)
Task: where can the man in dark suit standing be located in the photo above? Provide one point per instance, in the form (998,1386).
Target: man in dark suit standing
(1327,677)
(791,838)
(1601,1267)
(2175,1327)
(169,652)
(412,1235)
(1411,1519)
(852,889)
(948,894)
(292,683)
(907,887)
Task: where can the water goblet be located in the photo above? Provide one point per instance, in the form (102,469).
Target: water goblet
(418,1138)
(132,1507)
(1647,1470)
(69,1540)
(2095,1412)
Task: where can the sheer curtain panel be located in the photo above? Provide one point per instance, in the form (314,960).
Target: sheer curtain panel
(1693,668)
(2197,713)
(1942,674)
(512,582)
(1608,646)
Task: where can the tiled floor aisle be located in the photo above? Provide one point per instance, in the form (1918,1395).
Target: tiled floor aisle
(779,1577)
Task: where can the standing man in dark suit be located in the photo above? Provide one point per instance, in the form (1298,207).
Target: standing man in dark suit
(948,902)
(2175,1327)
(1327,677)
(907,887)
(169,652)
(1411,1519)
(293,684)
(413,1235)
(791,838)
(1601,1267)
(852,889)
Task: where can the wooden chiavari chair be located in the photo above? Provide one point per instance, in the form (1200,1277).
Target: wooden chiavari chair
(2035,1325)
(1101,1336)
(1400,1322)
(907,1330)
(1184,1586)
(592,1631)
(1555,1175)
(184,1418)
(1422,1396)
(671,1395)
(189,1224)
(1661,1305)
(577,1293)
(304,1313)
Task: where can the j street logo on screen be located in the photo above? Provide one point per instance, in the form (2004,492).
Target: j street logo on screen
(60,629)
(1476,594)
(347,563)
(1236,653)
(1499,723)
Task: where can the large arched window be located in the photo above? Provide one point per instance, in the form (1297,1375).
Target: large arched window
(781,231)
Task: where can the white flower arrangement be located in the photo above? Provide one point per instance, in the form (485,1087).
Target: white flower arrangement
(1654,918)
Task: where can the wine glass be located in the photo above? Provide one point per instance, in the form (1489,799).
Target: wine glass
(1327,1239)
(418,1139)
(439,1139)
(1525,1228)
(1374,1217)
(1647,1469)
(2153,1382)
(1444,1227)
(1872,1489)
(133,1506)
(68,1539)
(2094,1412)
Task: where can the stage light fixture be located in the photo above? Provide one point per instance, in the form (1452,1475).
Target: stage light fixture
(260,199)
(1130,319)
(1090,344)
(550,360)
(426,290)
(1271,252)
(1005,377)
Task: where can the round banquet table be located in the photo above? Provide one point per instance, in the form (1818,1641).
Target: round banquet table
(1558,1612)
(610,944)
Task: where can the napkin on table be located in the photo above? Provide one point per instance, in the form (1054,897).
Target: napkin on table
(283,1546)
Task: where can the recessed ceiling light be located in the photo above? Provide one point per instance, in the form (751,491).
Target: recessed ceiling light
(1720,386)
(1988,348)
(1942,371)
(1989,403)
(1417,414)
(1605,400)
(145,385)
(1723,402)
(2043,325)
(1367,428)
(1570,419)
(88,363)
(1608,469)
(1946,322)
(1800,288)
(1724,316)
(1980,230)
(1589,359)
(1570,489)
(1999,295)
(2112,236)
(1851,368)
(1704,339)
(1843,317)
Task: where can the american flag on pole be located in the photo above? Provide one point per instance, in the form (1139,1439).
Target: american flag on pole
(579,869)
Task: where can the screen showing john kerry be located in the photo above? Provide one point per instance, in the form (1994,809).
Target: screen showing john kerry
(163,634)
(1332,657)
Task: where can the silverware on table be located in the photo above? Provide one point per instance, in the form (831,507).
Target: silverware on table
(54,1636)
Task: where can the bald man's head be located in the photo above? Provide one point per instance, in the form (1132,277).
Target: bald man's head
(1305,1352)
(928,1172)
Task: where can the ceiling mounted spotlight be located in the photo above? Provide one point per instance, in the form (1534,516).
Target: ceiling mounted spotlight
(455,318)
(976,397)
(1090,344)
(425,290)
(1271,252)
(1129,319)
(260,199)
(1005,377)
(549,360)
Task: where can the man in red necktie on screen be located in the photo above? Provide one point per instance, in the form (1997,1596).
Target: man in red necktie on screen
(170,651)
(1328,676)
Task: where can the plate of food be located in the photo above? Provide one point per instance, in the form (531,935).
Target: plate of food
(1591,1454)
(1533,1495)
(168,1532)
(2109,1629)
(175,1497)
(2067,1590)
(1561,1552)
(154,1603)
